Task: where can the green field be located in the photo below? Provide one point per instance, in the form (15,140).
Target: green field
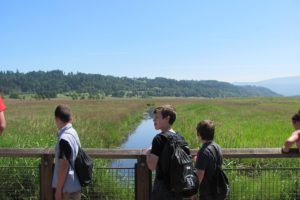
(257,122)
(240,123)
(103,124)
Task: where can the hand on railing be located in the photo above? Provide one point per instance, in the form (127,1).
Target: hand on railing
(194,197)
(291,151)
(285,150)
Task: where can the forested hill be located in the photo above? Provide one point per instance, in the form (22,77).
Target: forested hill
(49,84)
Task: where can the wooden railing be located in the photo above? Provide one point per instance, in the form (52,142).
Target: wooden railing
(142,174)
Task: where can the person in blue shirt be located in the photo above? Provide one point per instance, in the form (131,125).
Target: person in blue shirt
(65,181)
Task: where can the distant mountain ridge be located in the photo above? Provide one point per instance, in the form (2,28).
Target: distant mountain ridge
(287,86)
(49,84)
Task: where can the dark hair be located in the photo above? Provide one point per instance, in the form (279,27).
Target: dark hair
(296,117)
(206,130)
(63,112)
(167,111)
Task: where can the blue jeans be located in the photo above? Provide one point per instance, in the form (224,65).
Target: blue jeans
(161,192)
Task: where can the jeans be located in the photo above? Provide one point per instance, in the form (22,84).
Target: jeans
(71,196)
(68,195)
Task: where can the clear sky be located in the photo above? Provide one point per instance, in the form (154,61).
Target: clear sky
(232,40)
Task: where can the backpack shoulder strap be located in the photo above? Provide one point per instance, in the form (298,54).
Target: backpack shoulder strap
(168,135)
(216,154)
(172,135)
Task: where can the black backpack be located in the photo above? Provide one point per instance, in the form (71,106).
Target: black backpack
(83,166)
(177,166)
(221,184)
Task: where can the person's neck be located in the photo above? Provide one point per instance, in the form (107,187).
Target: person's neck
(166,129)
(206,141)
(62,125)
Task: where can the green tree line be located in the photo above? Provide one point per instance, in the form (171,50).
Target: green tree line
(49,84)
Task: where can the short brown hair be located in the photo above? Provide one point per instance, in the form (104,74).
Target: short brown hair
(167,111)
(206,130)
(296,117)
(63,112)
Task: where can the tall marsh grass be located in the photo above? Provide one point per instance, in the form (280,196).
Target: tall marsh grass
(240,123)
(249,123)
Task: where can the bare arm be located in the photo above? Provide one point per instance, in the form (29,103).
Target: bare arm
(62,174)
(290,141)
(151,160)
(200,174)
(2,122)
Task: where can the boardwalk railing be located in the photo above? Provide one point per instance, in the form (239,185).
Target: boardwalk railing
(142,176)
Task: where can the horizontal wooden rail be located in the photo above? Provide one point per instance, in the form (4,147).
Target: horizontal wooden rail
(259,153)
(136,153)
(24,152)
(142,173)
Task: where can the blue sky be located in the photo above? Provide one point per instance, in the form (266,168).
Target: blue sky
(232,40)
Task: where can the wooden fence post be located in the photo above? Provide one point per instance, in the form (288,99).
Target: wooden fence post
(143,179)
(46,173)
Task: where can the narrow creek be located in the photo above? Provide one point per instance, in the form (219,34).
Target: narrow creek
(140,138)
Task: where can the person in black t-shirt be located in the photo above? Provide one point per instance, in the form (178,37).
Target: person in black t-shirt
(206,161)
(164,118)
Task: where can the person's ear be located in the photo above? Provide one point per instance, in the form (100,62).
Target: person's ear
(168,117)
(199,136)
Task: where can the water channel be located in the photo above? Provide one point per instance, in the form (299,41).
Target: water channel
(140,138)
